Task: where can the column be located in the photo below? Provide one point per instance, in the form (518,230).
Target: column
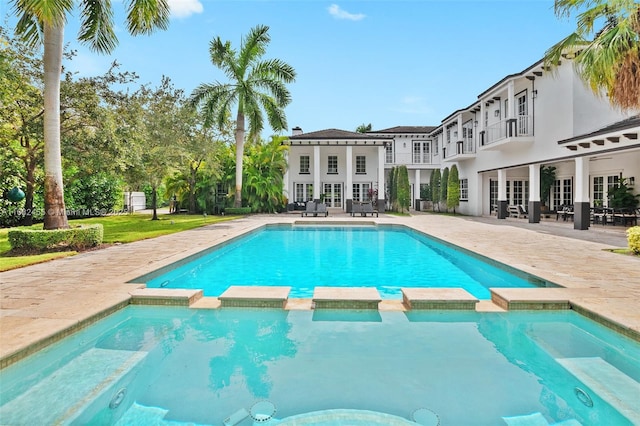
(534,193)
(381,195)
(581,204)
(316,172)
(481,130)
(502,194)
(348,191)
(416,190)
(511,116)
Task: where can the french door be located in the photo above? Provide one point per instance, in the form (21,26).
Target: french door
(333,194)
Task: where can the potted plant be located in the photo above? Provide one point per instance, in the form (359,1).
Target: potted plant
(547,179)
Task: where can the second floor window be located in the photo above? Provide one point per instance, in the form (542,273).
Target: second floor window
(332,165)
(389,154)
(304,164)
(361,164)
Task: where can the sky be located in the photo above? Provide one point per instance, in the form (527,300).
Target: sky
(388,63)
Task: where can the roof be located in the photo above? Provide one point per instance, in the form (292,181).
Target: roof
(538,63)
(627,123)
(405,129)
(335,134)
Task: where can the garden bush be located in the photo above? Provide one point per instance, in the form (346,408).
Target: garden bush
(39,240)
(633,237)
(237,210)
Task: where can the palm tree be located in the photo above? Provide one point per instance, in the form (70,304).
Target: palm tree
(256,85)
(42,22)
(607,56)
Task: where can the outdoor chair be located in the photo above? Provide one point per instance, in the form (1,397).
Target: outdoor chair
(310,209)
(321,208)
(356,208)
(367,208)
(514,211)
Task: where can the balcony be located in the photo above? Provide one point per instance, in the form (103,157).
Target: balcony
(410,159)
(512,132)
(460,151)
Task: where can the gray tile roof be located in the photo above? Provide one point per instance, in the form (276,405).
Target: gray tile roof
(405,129)
(627,123)
(332,134)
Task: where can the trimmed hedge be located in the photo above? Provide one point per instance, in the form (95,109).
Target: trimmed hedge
(33,240)
(237,210)
(633,237)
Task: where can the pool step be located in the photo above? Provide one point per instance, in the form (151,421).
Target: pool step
(346,298)
(255,297)
(60,397)
(139,414)
(611,384)
(537,419)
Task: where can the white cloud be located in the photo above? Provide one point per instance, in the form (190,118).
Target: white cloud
(184,8)
(338,13)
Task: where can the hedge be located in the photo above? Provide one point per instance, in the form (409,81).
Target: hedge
(33,240)
(237,210)
(633,237)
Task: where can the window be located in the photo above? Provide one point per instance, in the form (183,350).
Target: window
(333,194)
(557,199)
(389,154)
(436,144)
(332,167)
(304,192)
(464,189)
(361,165)
(304,164)
(567,191)
(523,118)
(493,195)
(421,152)
(598,190)
(506,108)
(486,119)
(448,134)
(518,192)
(361,192)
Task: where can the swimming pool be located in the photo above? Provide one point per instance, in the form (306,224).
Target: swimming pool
(303,257)
(173,366)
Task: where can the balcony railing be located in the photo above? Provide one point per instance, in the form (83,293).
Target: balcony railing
(410,158)
(521,126)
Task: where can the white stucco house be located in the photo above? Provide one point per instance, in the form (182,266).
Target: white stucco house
(537,117)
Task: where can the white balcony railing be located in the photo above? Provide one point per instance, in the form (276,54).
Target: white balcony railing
(521,126)
(410,158)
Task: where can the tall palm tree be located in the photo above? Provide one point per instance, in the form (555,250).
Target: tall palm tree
(255,86)
(42,22)
(604,47)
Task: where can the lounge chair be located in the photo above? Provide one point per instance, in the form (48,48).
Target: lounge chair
(356,208)
(514,211)
(367,208)
(310,209)
(321,208)
(523,210)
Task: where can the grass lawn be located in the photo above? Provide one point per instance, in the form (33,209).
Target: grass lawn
(117,229)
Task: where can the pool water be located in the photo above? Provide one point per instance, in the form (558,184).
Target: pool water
(173,366)
(303,257)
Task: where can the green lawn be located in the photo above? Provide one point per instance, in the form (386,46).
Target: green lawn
(117,229)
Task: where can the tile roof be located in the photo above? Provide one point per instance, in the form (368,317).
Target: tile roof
(405,129)
(627,123)
(334,134)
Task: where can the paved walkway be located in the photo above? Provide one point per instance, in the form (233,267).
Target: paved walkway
(40,303)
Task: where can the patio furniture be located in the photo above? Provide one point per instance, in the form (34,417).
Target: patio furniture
(310,209)
(601,215)
(367,208)
(626,217)
(356,208)
(566,212)
(514,211)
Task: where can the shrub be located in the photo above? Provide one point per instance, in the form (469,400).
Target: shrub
(38,240)
(633,237)
(237,210)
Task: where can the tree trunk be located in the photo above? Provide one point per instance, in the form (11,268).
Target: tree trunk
(28,200)
(55,216)
(239,157)
(192,191)
(154,198)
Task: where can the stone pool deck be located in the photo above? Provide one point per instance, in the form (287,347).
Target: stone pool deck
(40,304)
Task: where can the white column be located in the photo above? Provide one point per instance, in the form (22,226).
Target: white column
(285,179)
(381,154)
(502,185)
(316,172)
(416,188)
(534,182)
(348,191)
(582,180)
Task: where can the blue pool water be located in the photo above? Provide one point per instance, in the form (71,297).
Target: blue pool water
(303,257)
(178,366)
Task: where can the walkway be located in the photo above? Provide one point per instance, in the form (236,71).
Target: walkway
(42,302)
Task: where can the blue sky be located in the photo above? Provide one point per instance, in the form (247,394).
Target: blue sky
(388,63)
